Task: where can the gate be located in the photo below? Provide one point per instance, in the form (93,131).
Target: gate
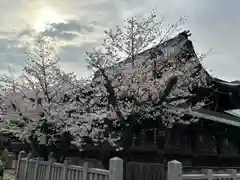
(144,171)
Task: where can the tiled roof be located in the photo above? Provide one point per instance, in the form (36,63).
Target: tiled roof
(219,117)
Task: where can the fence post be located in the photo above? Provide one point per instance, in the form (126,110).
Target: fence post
(36,169)
(209,174)
(234,174)
(116,169)
(26,168)
(48,171)
(85,171)
(174,170)
(20,156)
(64,177)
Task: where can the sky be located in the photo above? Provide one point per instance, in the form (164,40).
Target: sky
(75,26)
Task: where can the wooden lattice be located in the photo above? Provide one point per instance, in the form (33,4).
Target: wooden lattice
(177,141)
(145,138)
(229,148)
(206,144)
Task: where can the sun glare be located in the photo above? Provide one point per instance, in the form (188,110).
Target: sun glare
(46,16)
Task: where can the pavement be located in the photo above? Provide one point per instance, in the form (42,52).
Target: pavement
(9,175)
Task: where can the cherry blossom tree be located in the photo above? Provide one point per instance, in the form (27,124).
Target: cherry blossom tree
(41,101)
(129,91)
(139,72)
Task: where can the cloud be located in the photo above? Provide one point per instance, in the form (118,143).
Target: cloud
(72,59)
(14,60)
(72,25)
(212,24)
(26,32)
(56,34)
(68,30)
(11,55)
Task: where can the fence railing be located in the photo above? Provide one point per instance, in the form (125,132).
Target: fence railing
(144,171)
(175,172)
(34,169)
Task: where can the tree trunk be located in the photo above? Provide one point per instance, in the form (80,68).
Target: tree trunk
(44,152)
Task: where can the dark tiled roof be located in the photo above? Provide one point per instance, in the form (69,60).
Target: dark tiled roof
(219,117)
(172,46)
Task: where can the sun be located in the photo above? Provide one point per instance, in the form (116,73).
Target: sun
(46,16)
